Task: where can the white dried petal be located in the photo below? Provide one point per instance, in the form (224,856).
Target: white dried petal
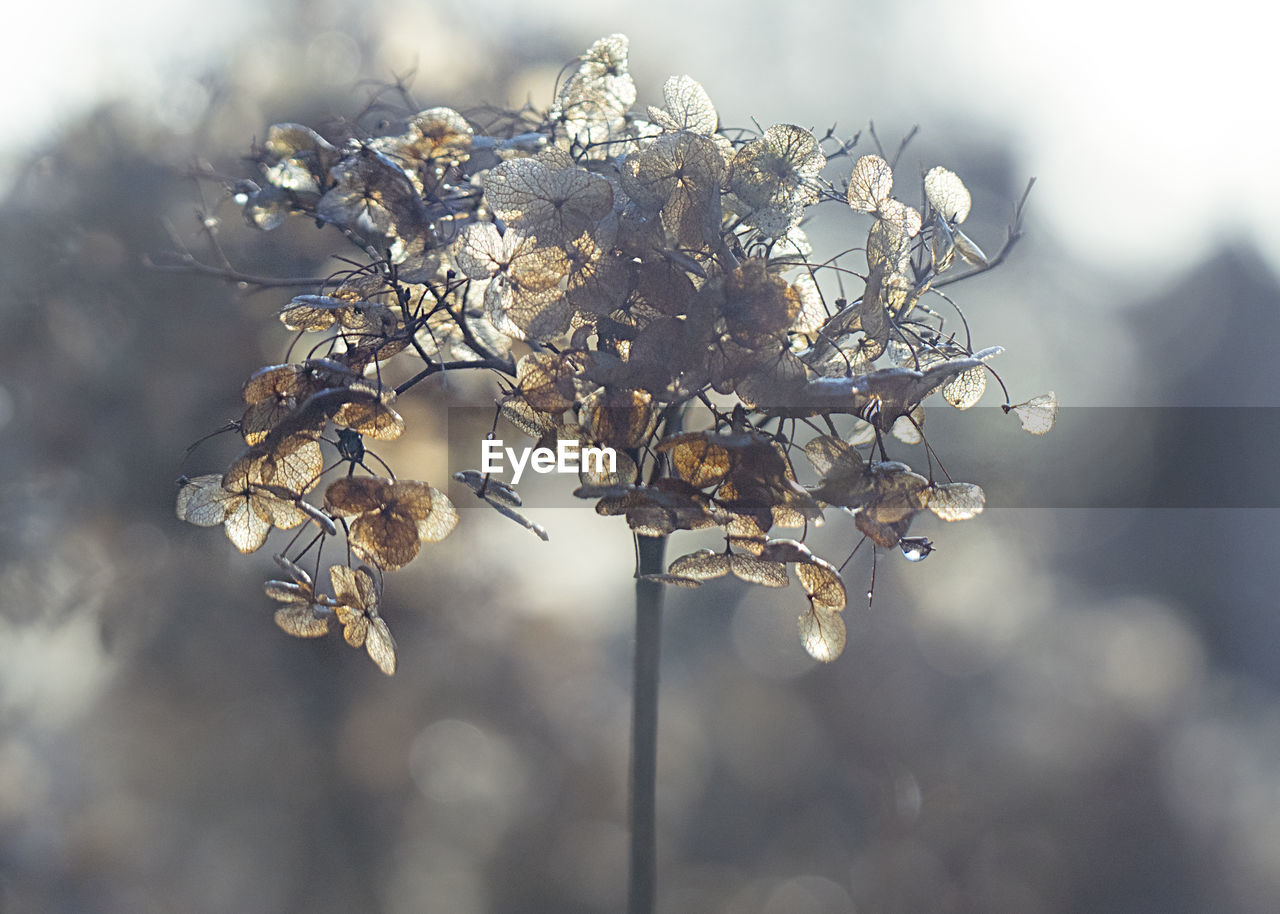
(947,195)
(687,107)
(957,501)
(871,184)
(1038,414)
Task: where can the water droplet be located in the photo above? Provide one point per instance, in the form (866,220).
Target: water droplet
(915,548)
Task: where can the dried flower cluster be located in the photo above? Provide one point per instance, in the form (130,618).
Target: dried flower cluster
(616,267)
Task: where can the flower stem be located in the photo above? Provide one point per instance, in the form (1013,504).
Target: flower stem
(644,727)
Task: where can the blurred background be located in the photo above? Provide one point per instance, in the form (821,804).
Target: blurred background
(1064,709)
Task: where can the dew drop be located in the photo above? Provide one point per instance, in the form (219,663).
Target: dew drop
(915,548)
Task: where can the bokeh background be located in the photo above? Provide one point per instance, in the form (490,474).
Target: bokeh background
(1065,709)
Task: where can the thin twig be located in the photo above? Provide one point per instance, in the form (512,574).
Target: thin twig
(436,367)
(186,263)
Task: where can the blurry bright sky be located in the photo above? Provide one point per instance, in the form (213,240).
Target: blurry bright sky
(1154,135)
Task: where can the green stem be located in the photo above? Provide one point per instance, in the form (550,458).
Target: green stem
(644,727)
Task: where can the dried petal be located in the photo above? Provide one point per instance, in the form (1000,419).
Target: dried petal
(688,107)
(947,195)
(957,501)
(703,565)
(966,388)
(871,184)
(822,632)
(1037,414)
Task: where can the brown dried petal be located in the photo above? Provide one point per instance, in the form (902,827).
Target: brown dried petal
(680,174)
(618,418)
(546,381)
(301,621)
(371,418)
(356,589)
(699,461)
(755,570)
(439,133)
(352,495)
(388,537)
(703,565)
(823,585)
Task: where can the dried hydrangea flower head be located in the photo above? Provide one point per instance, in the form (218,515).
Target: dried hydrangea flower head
(640,280)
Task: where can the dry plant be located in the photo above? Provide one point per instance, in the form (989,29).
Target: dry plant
(612,268)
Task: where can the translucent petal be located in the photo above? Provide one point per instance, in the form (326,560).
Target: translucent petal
(380,646)
(822,632)
(823,584)
(679,174)
(298,158)
(703,565)
(756,570)
(441,521)
(687,107)
(698,461)
(373,197)
(871,184)
(546,381)
(554,205)
(594,99)
(813,313)
(957,501)
(966,388)
(295,463)
(202,501)
(889,240)
(246,527)
(355,624)
(371,418)
(826,453)
(774,177)
(1038,414)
